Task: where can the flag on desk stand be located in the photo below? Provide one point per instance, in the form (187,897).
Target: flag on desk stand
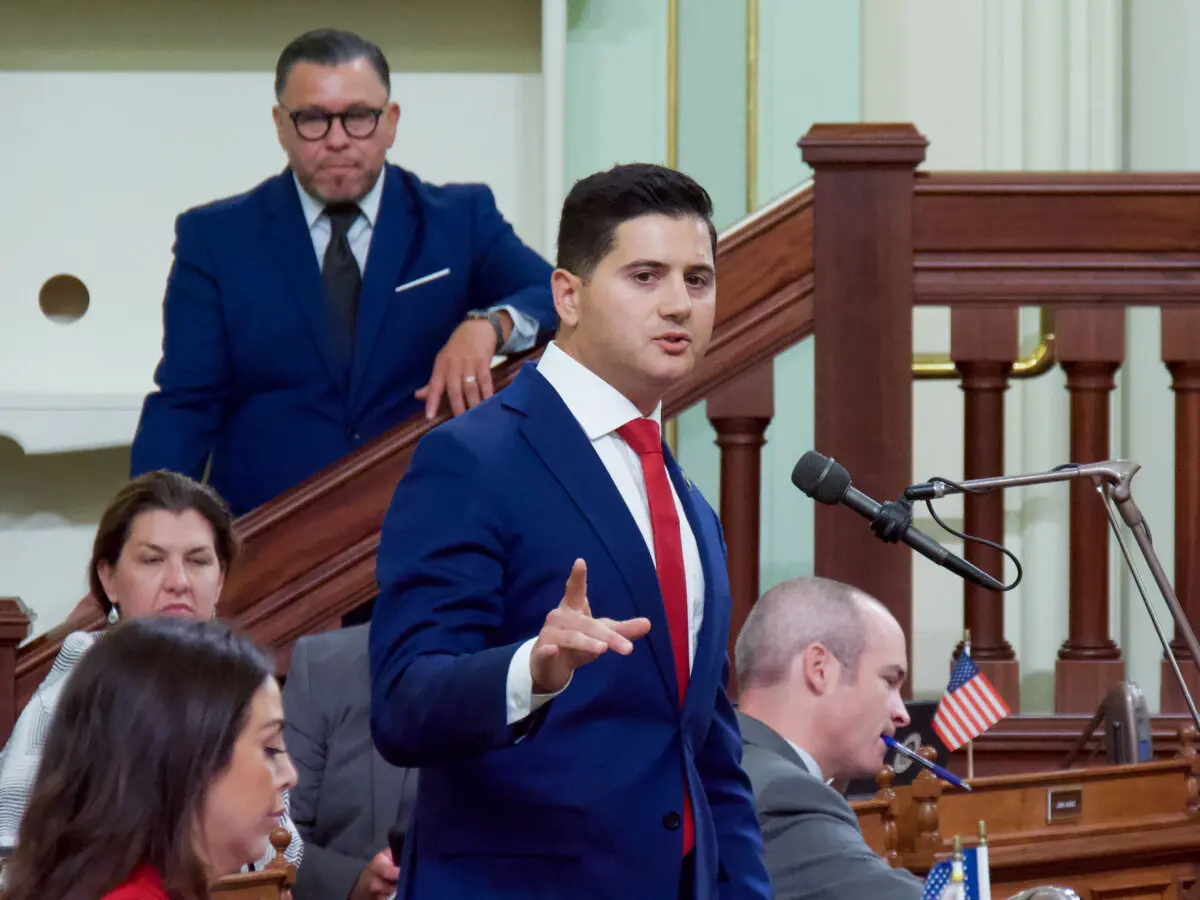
(982,870)
(969,707)
(973,880)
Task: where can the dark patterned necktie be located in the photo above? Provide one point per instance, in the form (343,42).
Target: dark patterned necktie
(343,280)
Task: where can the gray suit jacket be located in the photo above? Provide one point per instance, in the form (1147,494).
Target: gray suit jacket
(346,797)
(811,840)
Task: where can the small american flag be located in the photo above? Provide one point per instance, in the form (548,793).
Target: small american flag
(976,884)
(969,707)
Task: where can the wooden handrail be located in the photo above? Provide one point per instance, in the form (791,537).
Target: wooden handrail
(1056,238)
(309,555)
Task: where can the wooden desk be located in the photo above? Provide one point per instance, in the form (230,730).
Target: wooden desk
(1117,831)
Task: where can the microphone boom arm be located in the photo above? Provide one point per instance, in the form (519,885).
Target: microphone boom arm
(1112,479)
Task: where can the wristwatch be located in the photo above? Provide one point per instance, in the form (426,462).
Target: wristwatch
(493,318)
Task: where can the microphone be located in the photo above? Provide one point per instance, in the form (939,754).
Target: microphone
(827,482)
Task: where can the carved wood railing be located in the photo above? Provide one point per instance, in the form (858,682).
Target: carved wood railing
(1085,247)
(849,259)
(309,555)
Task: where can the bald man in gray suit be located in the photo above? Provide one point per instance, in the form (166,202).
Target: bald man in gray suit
(346,797)
(819,666)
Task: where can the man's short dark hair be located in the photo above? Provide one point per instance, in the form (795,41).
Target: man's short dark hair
(599,203)
(330,47)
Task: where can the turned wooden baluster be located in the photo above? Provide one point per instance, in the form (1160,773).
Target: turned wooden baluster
(1181,353)
(740,412)
(1090,345)
(984,344)
(1187,750)
(14,628)
(891,831)
(926,791)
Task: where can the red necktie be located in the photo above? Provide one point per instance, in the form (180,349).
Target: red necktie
(642,435)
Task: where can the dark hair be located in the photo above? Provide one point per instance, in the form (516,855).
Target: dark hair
(146,722)
(330,47)
(169,491)
(599,203)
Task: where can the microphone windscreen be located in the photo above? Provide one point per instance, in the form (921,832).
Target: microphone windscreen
(821,478)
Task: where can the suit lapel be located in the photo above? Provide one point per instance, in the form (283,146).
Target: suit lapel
(289,239)
(393,241)
(557,439)
(709,654)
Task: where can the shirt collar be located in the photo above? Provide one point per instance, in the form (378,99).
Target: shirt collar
(369,204)
(598,406)
(809,762)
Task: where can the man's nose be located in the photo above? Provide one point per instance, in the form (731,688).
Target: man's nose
(337,136)
(900,713)
(677,303)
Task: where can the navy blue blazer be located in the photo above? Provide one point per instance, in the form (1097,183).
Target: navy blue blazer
(582,799)
(249,374)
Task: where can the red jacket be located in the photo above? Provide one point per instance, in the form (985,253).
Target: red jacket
(143,884)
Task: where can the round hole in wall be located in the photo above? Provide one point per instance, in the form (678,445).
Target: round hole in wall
(64,299)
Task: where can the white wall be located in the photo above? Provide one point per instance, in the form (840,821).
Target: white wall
(210,135)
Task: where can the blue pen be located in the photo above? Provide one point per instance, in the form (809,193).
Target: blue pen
(932,767)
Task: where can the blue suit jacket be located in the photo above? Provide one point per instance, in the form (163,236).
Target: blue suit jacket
(249,372)
(581,800)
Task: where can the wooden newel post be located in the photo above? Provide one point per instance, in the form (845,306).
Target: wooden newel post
(14,628)
(863,286)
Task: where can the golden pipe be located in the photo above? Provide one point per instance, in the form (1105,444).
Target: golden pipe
(751,105)
(1041,360)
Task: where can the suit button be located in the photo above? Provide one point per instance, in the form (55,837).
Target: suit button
(671,821)
(357,436)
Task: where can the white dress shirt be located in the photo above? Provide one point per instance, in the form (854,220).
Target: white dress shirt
(525,327)
(600,410)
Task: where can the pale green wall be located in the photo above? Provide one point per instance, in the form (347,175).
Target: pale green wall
(616,93)
(810,61)
(712,101)
(809,70)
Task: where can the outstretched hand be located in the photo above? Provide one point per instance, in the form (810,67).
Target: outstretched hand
(571,638)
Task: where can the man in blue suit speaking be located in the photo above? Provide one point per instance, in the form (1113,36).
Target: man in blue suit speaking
(333,301)
(549,640)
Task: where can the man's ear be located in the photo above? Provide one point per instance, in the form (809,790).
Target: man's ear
(818,668)
(566,289)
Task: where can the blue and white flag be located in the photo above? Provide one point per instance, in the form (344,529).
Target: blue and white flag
(977,882)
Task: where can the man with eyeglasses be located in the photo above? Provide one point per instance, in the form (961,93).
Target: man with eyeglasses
(334,300)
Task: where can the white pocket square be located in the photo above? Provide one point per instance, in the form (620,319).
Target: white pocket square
(433,276)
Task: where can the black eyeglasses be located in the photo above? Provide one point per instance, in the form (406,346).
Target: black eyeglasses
(314,124)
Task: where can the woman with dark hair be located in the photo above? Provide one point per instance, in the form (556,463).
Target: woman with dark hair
(164,768)
(163,548)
